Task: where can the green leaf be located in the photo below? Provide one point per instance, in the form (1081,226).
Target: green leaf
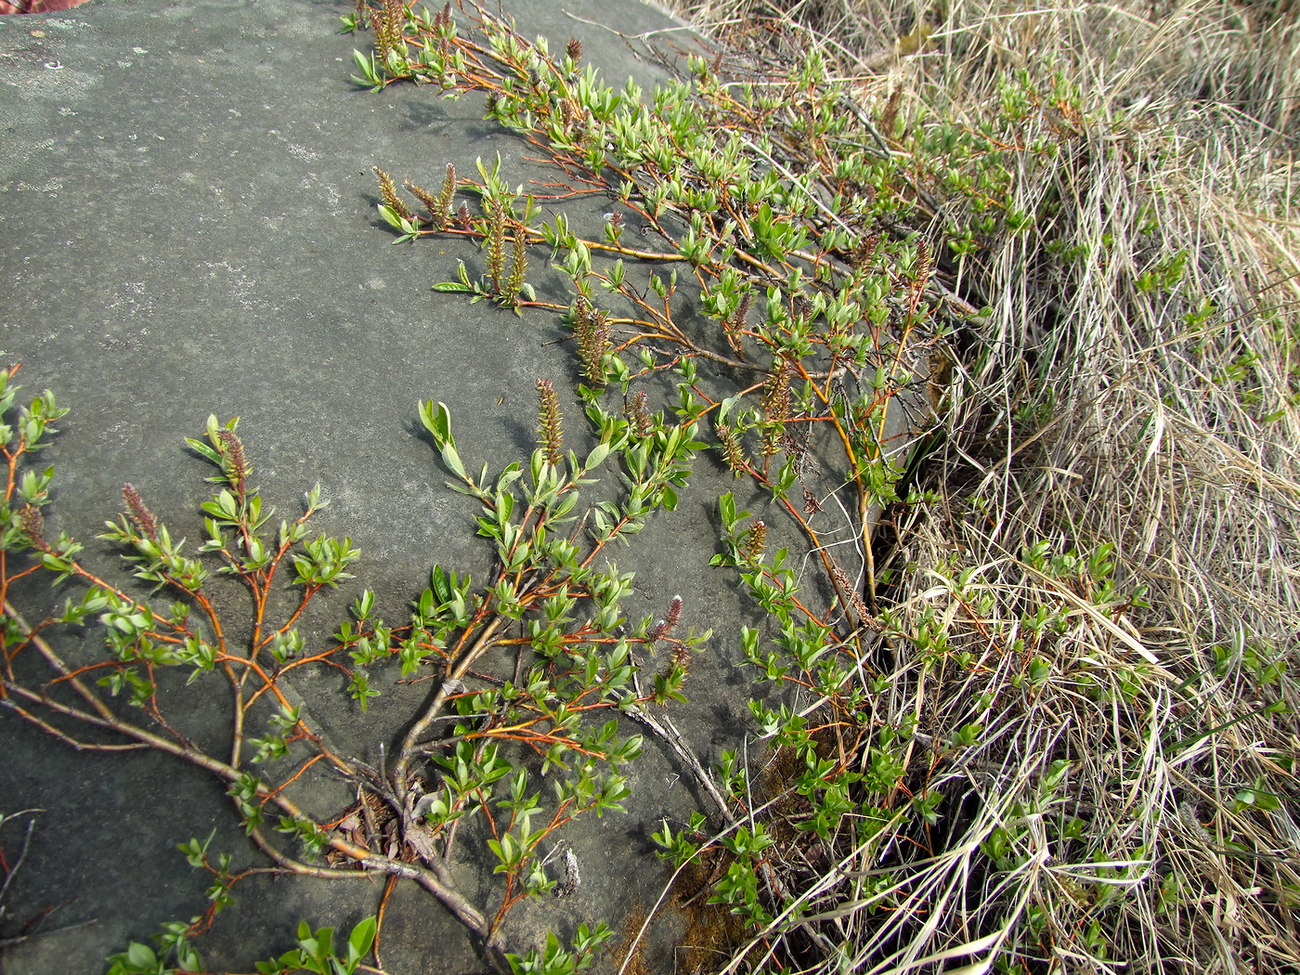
(452,460)
(361,938)
(597,456)
(227,505)
(727,509)
(369,69)
(437,420)
(392,217)
(202,449)
(141,957)
(725,407)
(441,587)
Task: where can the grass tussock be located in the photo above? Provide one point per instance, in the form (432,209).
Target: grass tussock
(1097,620)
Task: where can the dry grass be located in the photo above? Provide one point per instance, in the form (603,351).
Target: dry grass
(1091,409)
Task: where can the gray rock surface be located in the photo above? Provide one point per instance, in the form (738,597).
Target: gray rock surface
(188,226)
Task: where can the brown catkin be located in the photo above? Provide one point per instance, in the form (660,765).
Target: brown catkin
(388,191)
(32,523)
(496,245)
(232,455)
(639,415)
(549,423)
(445,197)
(425,197)
(848,593)
(776,405)
(665,626)
(732,452)
(734,326)
(518,266)
(140,516)
(591,328)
